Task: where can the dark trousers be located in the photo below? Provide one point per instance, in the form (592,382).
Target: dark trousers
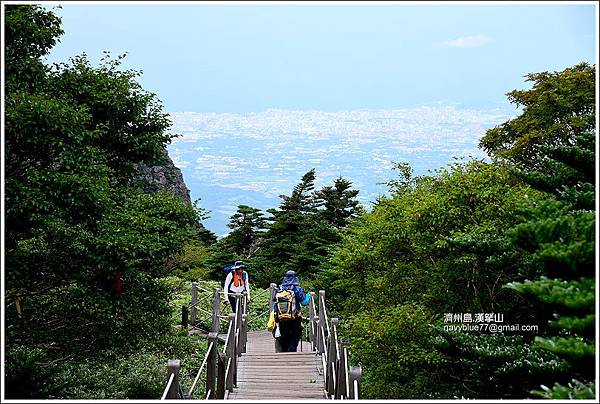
(291,331)
(232,302)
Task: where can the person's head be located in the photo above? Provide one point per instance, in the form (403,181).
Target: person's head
(240,268)
(290,278)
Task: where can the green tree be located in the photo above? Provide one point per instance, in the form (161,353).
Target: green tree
(559,233)
(247,226)
(339,203)
(559,107)
(302,200)
(447,243)
(289,221)
(297,237)
(434,248)
(29,34)
(85,247)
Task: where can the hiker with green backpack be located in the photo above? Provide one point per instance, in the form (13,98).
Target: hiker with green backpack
(289,298)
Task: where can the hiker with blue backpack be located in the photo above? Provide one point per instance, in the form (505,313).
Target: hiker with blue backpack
(236,282)
(289,298)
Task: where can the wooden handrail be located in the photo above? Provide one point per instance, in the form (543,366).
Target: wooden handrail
(169,383)
(341,382)
(221,368)
(208,352)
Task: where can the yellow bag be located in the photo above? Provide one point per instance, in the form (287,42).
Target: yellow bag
(271,323)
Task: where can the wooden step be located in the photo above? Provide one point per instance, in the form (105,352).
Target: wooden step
(260,366)
(276,395)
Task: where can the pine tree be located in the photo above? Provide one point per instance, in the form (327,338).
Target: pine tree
(339,202)
(297,237)
(552,144)
(247,226)
(303,199)
(290,222)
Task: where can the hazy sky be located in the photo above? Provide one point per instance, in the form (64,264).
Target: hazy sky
(247,58)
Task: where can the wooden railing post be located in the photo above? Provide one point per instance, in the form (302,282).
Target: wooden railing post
(173,369)
(342,372)
(238,311)
(272,289)
(230,351)
(321,327)
(220,395)
(216,312)
(184,316)
(332,361)
(354,380)
(234,358)
(311,318)
(194,309)
(211,365)
(243,334)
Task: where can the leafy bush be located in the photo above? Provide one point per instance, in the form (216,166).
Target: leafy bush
(30,374)
(190,263)
(575,390)
(400,338)
(135,373)
(139,375)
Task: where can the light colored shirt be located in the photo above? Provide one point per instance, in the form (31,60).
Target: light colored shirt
(230,287)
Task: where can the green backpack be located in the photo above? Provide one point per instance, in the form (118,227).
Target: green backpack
(285,303)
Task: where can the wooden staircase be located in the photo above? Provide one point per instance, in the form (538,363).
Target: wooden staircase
(248,368)
(264,374)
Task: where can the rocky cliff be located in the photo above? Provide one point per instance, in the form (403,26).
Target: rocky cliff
(162,175)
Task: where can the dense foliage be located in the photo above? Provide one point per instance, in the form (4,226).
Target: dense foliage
(296,236)
(515,237)
(559,233)
(85,246)
(419,255)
